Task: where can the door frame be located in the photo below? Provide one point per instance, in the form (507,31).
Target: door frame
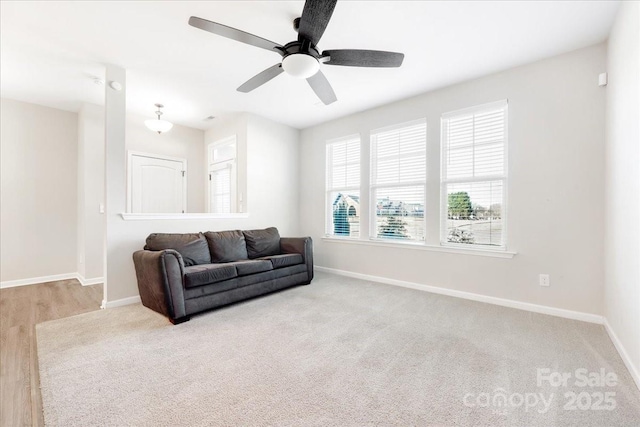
(132,153)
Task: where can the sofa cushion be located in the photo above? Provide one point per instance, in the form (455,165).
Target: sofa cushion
(192,246)
(245,268)
(261,243)
(230,285)
(226,246)
(279,261)
(206,274)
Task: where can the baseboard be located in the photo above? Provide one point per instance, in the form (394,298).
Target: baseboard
(89,282)
(535,308)
(36,280)
(633,370)
(120,302)
(52,278)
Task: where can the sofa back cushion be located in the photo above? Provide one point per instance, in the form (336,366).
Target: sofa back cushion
(226,246)
(192,246)
(262,243)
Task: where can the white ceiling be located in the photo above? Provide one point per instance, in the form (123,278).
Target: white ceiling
(50,49)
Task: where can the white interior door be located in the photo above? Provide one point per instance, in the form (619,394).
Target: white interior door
(157,185)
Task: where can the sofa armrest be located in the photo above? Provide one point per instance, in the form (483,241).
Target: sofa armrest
(302,246)
(160,281)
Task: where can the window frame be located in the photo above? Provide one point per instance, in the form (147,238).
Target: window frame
(214,165)
(373,187)
(504,177)
(328,221)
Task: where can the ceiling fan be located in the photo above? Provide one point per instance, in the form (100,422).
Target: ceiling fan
(301,58)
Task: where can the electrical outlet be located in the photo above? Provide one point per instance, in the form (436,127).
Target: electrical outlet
(544,280)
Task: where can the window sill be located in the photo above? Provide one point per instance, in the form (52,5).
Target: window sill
(424,247)
(174,216)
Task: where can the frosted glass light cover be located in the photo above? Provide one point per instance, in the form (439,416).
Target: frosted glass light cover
(300,65)
(158,125)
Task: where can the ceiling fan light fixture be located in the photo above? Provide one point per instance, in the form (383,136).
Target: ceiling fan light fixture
(300,65)
(301,57)
(158,125)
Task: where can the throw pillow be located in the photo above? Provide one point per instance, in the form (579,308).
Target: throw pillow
(192,246)
(262,243)
(226,246)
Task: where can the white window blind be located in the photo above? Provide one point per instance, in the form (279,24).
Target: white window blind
(398,181)
(474,175)
(222,176)
(221,188)
(343,187)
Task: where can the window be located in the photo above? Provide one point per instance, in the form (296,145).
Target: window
(222,176)
(474,176)
(343,187)
(398,181)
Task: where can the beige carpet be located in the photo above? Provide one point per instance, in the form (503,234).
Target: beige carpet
(340,352)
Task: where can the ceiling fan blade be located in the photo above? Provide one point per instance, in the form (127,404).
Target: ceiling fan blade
(322,88)
(261,78)
(314,20)
(234,34)
(363,58)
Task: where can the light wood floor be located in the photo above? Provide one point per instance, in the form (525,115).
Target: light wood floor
(21,308)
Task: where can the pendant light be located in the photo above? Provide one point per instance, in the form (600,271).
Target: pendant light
(158,125)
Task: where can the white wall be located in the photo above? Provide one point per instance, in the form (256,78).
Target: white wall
(38,195)
(622,201)
(183,142)
(90,192)
(272,182)
(555,194)
(273,174)
(267,159)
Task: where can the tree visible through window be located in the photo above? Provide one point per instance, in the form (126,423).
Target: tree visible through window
(474,175)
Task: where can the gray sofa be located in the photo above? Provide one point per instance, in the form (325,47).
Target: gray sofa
(183,274)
